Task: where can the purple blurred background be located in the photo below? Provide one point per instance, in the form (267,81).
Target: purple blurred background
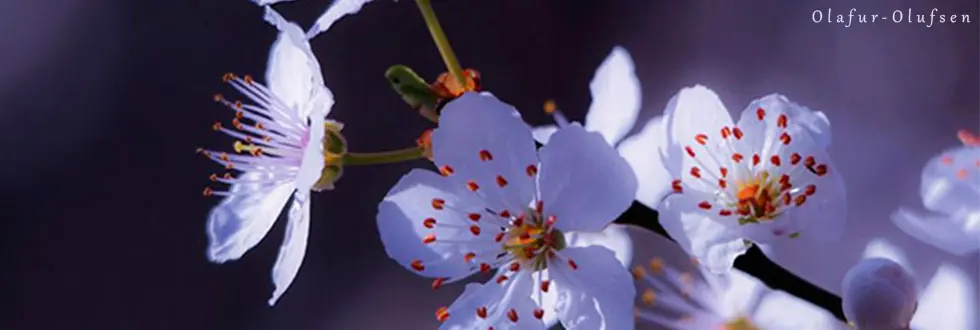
(103,102)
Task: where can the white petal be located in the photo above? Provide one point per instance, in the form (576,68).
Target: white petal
(498,300)
(642,152)
(293,246)
(241,220)
(882,248)
(293,72)
(951,181)
(337,10)
(401,223)
(311,165)
(948,302)
(879,294)
(543,133)
(696,111)
(940,231)
(597,295)
(716,245)
(482,138)
(814,122)
(615,97)
(740,293)
(780,310)
(614,237)
(823,216)
(584,182)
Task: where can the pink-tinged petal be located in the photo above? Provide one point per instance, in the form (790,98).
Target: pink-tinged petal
(485,141)
(948,302)
(425,226)
(584,182)
(293,245)
(337,10)
(294,72)
(312,162)
(714,242)
(958,236)
(879,294)
(243,218)
(696,134)
(596,294)
(951,181)
(615,97)
(501,306)
(642,152)
(543,133)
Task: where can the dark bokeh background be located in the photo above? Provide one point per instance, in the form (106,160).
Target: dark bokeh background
(102,103)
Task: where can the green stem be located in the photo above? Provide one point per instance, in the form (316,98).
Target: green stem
(387,157)
(441,41)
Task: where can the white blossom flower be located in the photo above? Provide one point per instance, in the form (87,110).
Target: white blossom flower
(879,294)
(673,292)
(951,189)
(765,179)
(616,100)
(500,205)
(337,10)
(283,134)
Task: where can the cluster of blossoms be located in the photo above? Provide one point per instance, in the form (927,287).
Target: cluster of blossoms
(540,219)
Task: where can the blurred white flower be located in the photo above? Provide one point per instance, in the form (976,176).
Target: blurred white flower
(948,302)
(283,135)
(879,294)
(951,190)
(764,180)
(500,205)
(674,293)
(616,99)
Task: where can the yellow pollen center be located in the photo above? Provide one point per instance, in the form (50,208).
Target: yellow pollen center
(740,323)
(758,199)
(532,241)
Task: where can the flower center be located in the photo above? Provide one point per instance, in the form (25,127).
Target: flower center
(530,239)
(757,199)
(741,323)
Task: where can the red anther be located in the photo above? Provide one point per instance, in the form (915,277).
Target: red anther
(702,139)
(485,155)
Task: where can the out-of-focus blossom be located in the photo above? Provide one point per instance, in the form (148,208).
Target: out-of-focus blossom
(337,10)
(616,99)
(673,292)
(497,205)
(947,302)
(766,179)
(951,190)
(282,153)
(879,294)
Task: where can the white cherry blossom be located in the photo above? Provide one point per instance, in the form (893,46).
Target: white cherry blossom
(499,206)
(766,179)
(279,154)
